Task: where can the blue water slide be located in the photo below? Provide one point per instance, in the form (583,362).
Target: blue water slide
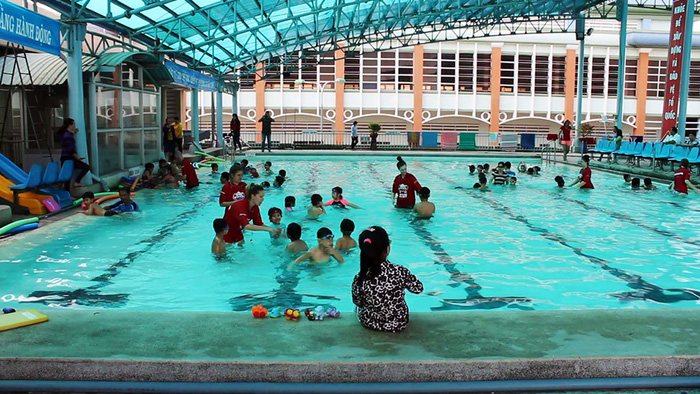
(11,171)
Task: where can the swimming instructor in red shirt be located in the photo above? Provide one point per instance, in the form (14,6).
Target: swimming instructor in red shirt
(405,187)
(239,215)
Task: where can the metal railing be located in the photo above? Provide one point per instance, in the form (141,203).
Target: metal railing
(423,140)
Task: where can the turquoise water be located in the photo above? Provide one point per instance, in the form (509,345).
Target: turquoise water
(525,247)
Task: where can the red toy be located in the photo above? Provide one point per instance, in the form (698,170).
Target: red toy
(259,312)
(292,314)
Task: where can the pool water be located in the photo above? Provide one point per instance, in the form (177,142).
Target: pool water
(528,247)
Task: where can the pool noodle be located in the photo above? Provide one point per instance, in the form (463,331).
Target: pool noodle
(80,200)
(24,227)
(208,155)
(18,223)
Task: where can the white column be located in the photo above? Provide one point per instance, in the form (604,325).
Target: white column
(219,119)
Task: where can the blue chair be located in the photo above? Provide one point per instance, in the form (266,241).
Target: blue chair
(629,150)
(66,171)
(694,157)
(625,145)
(646,152)
(33,181)
(599,145)
(51,174)
(679,153)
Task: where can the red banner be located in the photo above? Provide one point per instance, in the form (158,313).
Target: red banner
(673,65)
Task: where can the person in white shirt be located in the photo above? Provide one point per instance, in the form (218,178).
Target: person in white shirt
(673,137)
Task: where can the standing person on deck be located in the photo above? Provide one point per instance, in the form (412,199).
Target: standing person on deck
(266,121)
(405,186)
(235,128)
(179,134)
(168,138)
(565,137)
(353,135)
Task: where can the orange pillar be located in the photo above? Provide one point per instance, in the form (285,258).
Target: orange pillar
(496,52)
(339,125)
(570,82)
(259,99)
(417,88)
(642,81)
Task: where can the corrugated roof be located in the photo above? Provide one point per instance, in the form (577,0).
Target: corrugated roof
(150,63)
(45,69)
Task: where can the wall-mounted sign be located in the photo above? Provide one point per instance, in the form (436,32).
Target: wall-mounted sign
(25,27)
(190,78)
(673,64)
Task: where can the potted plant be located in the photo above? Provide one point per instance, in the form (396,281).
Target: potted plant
(374,127)
(585,131)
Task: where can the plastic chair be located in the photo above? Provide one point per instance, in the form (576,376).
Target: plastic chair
(51,174)
(599,145)
(66,171)
(33,180)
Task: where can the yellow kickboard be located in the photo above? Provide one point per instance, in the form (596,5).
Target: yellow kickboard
(21,318)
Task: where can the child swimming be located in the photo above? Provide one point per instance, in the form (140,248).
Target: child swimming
(289,203)
(316,209)
(324,251)
(347,226)
(294,234)
(337,194)
(218,245)
(214,169)
(425,208)
(279,181)
(90,207)
(268,168)
(275,216)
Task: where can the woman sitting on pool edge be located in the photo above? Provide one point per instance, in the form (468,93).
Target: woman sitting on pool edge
(337,194)
(239,215)
(378,289)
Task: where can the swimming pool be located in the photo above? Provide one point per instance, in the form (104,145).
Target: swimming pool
(528,247)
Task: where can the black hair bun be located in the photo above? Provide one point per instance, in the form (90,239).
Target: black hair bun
(398,158)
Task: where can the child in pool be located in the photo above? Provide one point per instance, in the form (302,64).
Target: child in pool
(425,208)
(91,208)
(648,185)
(268,168)
(283,174)
(316,209)
(323,252)
(337,194)
(289,203)
(275,215)
(218,245)
(560,182)
(347,226)
(296,245)
(512,181)
(214,169)
(224,177)
(278,182)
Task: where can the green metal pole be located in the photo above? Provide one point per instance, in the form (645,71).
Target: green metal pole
(685,70)
(622,17)
(579,87)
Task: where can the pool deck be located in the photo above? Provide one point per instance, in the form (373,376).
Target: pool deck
(437,346)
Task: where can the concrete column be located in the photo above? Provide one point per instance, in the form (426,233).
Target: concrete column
(496,55)
(219,120)
(642,82)
(259,100)
(339,124)
(569,82)
(418,87)
(195,115)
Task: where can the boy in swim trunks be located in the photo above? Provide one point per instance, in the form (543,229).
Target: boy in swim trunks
(268,168)
(296,245)
(316,209)
(323,252)
(90,207)
(424,209)
(347,226)
(218,245)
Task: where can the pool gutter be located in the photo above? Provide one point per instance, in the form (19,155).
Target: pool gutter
(404,387)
